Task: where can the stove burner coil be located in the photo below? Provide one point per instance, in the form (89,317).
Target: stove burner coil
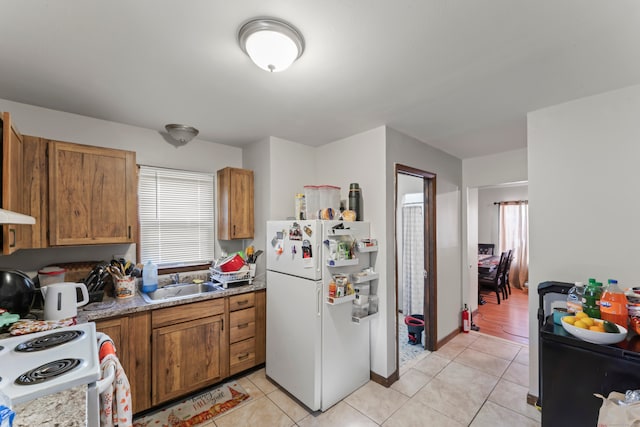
(48,341)
(47,371)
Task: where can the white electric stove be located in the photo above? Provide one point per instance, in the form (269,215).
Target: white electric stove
(43,363)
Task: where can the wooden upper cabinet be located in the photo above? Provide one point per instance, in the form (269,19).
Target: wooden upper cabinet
(14,236)
(35,175)
(235,204)
(92,195)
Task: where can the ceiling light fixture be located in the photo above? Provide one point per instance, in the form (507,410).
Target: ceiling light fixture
(272,44)
(182,133)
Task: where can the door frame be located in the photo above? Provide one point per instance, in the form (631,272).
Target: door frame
(431,281)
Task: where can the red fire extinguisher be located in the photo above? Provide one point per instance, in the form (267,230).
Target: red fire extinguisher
(466,319)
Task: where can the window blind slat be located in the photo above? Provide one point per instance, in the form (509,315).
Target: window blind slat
(176,210)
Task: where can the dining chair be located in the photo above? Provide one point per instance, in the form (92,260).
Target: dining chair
(495,281)
(507,267)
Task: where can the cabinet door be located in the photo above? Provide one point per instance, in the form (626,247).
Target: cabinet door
(13,235)
(235,204)
(36,190)
(117,328)
(261,326)
(92,195)
(188,356)
(132,337)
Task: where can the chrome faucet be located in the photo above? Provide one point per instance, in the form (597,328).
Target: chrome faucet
(175,278)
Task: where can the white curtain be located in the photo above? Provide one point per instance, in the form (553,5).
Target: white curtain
(514,234)
(413,259)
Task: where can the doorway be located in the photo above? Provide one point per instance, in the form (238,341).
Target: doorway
(509,319)
(415,250)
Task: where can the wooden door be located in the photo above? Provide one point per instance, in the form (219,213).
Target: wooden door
(13,235)
(188,356)
(92,195)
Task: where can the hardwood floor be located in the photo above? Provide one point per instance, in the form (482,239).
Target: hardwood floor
(508,320)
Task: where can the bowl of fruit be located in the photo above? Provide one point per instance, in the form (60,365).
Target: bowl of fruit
(593,330)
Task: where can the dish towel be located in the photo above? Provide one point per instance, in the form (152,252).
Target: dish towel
(115,401)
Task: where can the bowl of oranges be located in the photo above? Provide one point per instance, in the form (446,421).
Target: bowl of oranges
(593,330)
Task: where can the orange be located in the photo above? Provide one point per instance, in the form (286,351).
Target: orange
(580,324)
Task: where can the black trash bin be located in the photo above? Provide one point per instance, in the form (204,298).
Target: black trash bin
(415,326)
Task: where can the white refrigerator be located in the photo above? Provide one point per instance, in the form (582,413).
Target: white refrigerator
(314,350)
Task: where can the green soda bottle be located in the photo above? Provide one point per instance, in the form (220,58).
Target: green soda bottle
(591,299)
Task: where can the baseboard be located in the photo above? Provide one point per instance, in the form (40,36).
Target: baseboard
(376,378)
(446,339)
(532,400)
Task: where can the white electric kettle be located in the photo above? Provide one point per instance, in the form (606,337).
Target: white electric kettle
(60,300)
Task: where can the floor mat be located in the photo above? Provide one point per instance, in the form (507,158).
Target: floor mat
(198,409)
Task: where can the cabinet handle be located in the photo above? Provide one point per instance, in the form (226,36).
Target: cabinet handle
(243,302)
(222,328)
(13,232)
(242,326)
(243,356)
(129,232)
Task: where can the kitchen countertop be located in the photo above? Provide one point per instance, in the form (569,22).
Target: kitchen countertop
(111,307)
(68,408)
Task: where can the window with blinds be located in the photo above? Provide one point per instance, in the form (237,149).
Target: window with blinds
(176,211)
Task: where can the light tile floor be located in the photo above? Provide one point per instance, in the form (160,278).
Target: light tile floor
(474,380)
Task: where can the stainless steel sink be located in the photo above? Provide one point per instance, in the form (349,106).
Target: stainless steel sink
(179,291)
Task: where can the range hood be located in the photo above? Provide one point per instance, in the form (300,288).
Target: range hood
(9,217)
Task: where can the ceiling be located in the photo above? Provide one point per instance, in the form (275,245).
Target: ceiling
(459,75)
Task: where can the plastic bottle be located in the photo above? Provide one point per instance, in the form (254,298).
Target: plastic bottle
(150,277)
(300,206)
(613,304)
(574,298)
(354,200)
(591,299)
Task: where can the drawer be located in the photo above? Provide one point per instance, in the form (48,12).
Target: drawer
(182,313)
(242,355)
(238,302)
(242,324)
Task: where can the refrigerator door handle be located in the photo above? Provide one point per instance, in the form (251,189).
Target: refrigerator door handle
(317,257)
(319,300)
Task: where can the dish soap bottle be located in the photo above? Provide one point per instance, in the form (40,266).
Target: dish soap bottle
(149,277)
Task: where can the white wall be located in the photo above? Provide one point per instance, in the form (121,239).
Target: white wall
(360,158)
(409,151)
(293,166)
(488,213)
(150,147)
(502,168)
(256,157)
(583,204)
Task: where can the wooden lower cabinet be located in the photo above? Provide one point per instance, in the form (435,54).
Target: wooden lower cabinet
(189,355)
(247,331)
(131,336)
(171,352)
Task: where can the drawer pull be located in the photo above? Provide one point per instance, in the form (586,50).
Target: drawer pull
(243,302)
(243,356)
(242,326)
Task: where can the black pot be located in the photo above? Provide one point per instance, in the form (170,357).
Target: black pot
(16,292)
